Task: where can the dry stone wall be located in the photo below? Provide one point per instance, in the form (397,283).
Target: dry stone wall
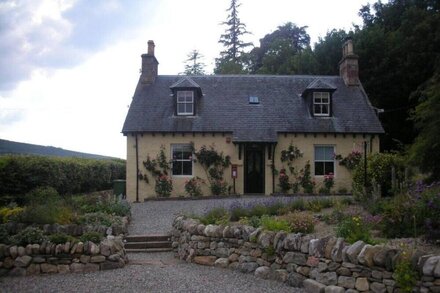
(69,257)
(319,265)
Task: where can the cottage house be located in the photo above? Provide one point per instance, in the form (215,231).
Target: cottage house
(251,119)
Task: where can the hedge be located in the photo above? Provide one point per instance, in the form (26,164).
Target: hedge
(20,174)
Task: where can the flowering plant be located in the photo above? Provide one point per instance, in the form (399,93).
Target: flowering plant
(219,187)
(284,182)
(328,182)
(164,186)
(192,186)
(351,160)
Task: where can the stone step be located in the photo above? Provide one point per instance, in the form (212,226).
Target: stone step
(146,238)
(145,245)
(148,250)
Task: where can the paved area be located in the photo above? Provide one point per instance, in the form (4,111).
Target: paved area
(157,216)
(155,272)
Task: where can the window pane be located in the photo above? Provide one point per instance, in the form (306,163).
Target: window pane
(329,153)
(189,99)
(187,168)
(180,108)
(189,108)
(319,168)
(324,109)
(319,153)
(329,168)
(186,154)
(325,100)
(317,109)
(180,98)
(177,167)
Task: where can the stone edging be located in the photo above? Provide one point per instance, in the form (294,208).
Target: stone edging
(35,259)
(327,264)
(301,195)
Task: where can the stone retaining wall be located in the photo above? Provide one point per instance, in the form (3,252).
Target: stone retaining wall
(48,258)
(319,265)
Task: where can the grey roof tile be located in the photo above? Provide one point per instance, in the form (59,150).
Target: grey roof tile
(224,107)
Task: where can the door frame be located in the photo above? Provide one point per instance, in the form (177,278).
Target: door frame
(262,149)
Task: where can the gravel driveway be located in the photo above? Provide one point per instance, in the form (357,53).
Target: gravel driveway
(154,272)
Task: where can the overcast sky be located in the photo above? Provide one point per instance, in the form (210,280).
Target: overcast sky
(68,68)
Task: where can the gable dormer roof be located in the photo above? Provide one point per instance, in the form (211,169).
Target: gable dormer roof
(185,82)
(319,84)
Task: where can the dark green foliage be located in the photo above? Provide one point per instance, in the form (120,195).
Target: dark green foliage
(42,195)
(29,235)
(98,218)
(305,179)
(193,64)
(21,174)
(94,237)
(231,60)
(425,152)
(354,229)
(297,205)
(61,238)
(96,203)
(273,224)
(4,235)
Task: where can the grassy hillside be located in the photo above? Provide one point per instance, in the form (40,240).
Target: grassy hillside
(12,147)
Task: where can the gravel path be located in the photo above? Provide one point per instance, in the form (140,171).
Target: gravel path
(157,216)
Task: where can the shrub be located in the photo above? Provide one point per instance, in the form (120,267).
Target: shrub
(238,212)
(297,205)
(305,179)
(164,186)
(99,219)
(253,221)
(42,195)
(273,224)
(218,187)
(300,222)
(284,182)
(258,210)
(351,160)
(10,214)
(405,275)
(329,182)
(314,206)
(354,229)
(61,238)
(4,235)
(47,214)
(29,235)
(215,216)
(192,186)
(94,237)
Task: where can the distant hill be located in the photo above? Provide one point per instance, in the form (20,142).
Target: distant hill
(12,147)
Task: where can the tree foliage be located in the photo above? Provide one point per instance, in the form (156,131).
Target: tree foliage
(193,65)
(231,59)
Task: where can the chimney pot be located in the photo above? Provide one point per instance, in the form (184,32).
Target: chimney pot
(348,66)
(151,48)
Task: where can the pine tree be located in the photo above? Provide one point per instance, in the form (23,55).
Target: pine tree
(230,60)
(193,64)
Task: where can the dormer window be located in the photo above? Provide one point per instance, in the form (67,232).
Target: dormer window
(185,103)
(321,104)
(254,100)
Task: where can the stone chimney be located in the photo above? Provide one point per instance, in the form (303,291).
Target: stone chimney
(149,65)
(348,66)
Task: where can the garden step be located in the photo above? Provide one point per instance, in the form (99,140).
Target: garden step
(149,250)
(146,238)
(150,244)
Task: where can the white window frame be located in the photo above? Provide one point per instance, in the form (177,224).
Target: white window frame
(321,95)
(185,95)
(173,148)
(332,160)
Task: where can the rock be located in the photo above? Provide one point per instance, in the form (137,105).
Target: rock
(63,269)
(346,282)
(367,253)
(437,270)
(377,275)
(23,261)
(3,249)
(352,291)
(313,247)
(21,251)
(28,249)
(114,257)
(278,241)
(305,271)
(280,275)
(109,265)
(265,238)
(380,257)
(311,286)
(312,261)
(17,272)
(221,262)
(295,257)
(13,251)
(97,259)
(248,267)
(59,249)
(322,267)
(295,280)
(67,247)
(334,289)
(292,242)
(48,268)
(430,265)
(35,248)
(92,249)
(8,263)
(333,266)
(210,230)
(84,258)
(330,278)
(343,272)
(329,247)
(33,269)
(362,284)
(253,237)
(275,266)
(354,250)
(205,260)
(91,267)
(305,241)
(233,257)
(344,254)
(105,247)
(79,247)
(263,272)
(77,268)
(256,252)
(378,287)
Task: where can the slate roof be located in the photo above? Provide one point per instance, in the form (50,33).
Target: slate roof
(224,107)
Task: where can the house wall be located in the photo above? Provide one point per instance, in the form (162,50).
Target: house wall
(149,144)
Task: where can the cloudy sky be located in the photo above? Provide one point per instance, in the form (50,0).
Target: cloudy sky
(68,68)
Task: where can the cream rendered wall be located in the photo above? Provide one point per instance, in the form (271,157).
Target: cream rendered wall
(149,144)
